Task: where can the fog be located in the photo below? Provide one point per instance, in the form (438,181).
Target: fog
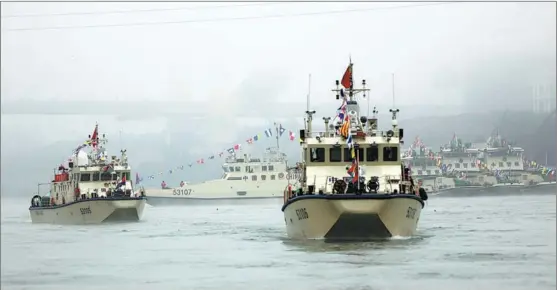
(176,82)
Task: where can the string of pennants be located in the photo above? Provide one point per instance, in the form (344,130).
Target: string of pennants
(268,133)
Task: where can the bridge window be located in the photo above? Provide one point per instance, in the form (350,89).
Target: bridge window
(95,176)
(114,176)
(335,154)
(372,154)
(231,169)
(317,154)
(254,177)
(85,177)
(500,164)
(457,165)
(390,153)
(465,165)
(509,164)
(437,171)
(264,168)
(271,168)
(273,177)
(238,169)
(516,163)
(106,176)
(263,177)
(234,178)
(348,156)
(473,164)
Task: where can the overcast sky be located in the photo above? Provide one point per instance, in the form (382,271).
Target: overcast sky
(452,54)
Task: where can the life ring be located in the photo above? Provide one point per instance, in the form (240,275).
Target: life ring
(281,175)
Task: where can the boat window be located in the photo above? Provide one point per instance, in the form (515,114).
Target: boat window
(437,171)
(234,178)
(335,154)
(273,177)
(500,164)
(114,176)
(95,176)
(317,155)
(465,165)
(231,169)
(271,168)
(254,177)
(85,177)
(372,154)
(390,153)
(263,177)
(508,164)
(348,156)
(225,169)
(264,168)
(457,165)
(472,164)
(420,172)
(105,176)
(516,163)
(237,168)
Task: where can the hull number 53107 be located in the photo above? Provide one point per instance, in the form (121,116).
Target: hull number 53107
(302,214)
(180,191)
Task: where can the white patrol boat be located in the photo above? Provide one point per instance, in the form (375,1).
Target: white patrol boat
(91,189)
(377,199)
(244,178)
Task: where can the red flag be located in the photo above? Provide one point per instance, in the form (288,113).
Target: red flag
(95,136)
(347,77)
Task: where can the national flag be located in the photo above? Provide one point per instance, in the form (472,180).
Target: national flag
(230,150)
(281,130)
(256,137)
(342,93)
(220,154)
(190,164)
(170,171)
(212,157)
(95,136)
(200,161)
(268,133)
(291,135)
(250,141)
(237,147)
(347,77)
(181,167)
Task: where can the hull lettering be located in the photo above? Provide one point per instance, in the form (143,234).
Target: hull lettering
(180,191)
(39,212)
(85,210)
(302,214)
(411,213)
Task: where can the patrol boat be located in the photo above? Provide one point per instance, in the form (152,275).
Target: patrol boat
(245,177)
(353,184)
(91,189)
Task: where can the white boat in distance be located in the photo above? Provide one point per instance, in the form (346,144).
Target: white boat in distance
(244,178)
(378,198)
(92,189)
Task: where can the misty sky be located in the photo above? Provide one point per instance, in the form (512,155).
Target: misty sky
(463,56)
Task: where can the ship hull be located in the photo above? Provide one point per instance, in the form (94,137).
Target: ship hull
(219,191)
(498,190)
(192,200)
(351,217)
(91,211)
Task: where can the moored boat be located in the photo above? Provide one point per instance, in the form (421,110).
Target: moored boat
(353,183)
(91,189)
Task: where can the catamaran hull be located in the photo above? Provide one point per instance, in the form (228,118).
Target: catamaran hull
(338,217)
(91,211)
(166,201)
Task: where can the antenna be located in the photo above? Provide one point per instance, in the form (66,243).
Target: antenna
(277,135)
(393,81)
(309,92)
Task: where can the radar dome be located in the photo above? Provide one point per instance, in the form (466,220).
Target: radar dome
(82,158)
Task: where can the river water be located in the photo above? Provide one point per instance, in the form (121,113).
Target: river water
(463,243)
